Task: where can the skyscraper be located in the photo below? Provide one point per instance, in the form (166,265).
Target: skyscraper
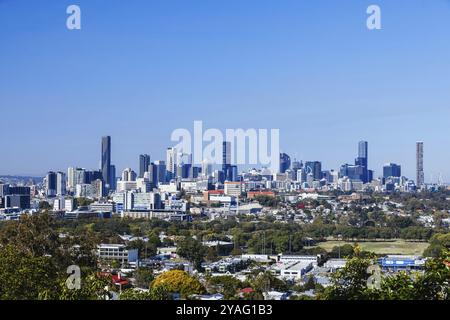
(420,176)
(392,170)
(112,180)
(106,161)
(71,179)
(363,149)
(363,160)
(50,184)
(314,168)
(60,184)
(226,161)
(285,162)
(128,175)
(226,154)
(171,164)
(144,162)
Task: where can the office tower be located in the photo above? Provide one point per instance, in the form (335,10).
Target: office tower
(183,170)
(226,154)
(301,175)
(144,162)
(4,190)
(158,172)
(353,172)
(226,162)
(420,176)
(194,172)
(112,180)
(363,149)
(285,162)
(71,179)
(21,201)
(15,197)
(184,166)
(91,176)
(171,164)
(296,165)
(60,184)
(128,175)
(392,170)
(50,184)
(80,176)
(206,168)
(106,161)
(363,160)
(97,188)
(315,168)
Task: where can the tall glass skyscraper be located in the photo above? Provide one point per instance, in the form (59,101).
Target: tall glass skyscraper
(363,159)
(392,170)
(106,161)
(314,168)
(285,162)
(420,176)
(144,162)
(226,161)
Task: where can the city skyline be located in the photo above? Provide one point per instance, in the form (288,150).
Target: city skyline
(144,161)
(137,72)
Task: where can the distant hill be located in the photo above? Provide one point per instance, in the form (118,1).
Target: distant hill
(13,179)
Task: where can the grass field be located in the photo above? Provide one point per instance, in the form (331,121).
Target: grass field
(382,247)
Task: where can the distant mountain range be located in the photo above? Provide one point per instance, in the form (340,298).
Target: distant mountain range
(10,178)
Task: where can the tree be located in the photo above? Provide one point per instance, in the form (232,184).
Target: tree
(192,250)
(143,277)
(177,281)
(226,285)
(145,249)
(93,287)
(438,243)
(25,277)
(350,282)
(212,254)
(44,205)
(266,281)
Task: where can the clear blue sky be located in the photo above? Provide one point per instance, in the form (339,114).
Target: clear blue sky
(139,69)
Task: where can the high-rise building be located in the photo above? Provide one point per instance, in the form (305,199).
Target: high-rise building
(363,149)
(106,161)
(285,162)
(128,175)
(226,162)
(171,164)
(392,170)
(71,179)
(50,184)
(206,168)
(363,160)
(353,172)
(60,184)
(112,180)
(315,168)
(144,162)
(420,176)
(157,172)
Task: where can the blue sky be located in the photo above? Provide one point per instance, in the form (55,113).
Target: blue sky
(137,70)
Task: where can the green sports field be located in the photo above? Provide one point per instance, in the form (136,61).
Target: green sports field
(382,247)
